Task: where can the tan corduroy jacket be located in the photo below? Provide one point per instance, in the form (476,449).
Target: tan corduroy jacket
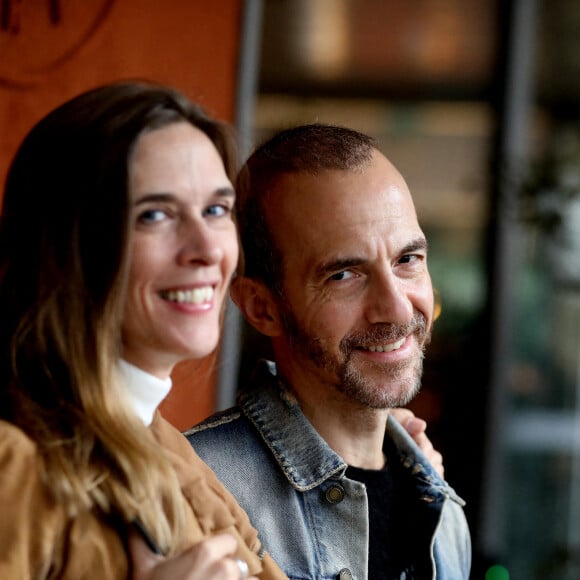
(38,540)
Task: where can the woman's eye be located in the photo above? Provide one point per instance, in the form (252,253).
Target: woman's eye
(152,216)
(217,210)
(344,275)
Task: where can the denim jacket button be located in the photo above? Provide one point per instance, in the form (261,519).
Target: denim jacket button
(344,574)
(334,494)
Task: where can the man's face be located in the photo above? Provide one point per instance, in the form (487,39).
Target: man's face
(358,302)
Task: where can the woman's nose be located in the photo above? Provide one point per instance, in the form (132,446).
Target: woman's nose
(200,245)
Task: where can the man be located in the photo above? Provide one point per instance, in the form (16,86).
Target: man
(336,275)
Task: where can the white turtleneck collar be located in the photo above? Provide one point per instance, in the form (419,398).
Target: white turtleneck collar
(145,390)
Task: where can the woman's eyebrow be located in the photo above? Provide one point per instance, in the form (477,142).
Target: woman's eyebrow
(155,197)
(227,192)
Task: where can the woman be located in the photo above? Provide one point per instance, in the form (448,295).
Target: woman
(117,245)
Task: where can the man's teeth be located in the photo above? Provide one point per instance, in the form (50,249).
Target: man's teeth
(387,347)
(195,296)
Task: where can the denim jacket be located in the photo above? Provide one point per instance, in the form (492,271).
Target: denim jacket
(313,519)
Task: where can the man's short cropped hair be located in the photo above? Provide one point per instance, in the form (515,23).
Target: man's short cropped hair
(306,148)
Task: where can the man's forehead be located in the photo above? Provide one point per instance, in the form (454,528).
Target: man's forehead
(336,226)
(338,199)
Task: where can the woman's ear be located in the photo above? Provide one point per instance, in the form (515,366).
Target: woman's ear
(258,305)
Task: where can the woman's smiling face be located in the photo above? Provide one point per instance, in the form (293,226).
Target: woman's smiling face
(184,248)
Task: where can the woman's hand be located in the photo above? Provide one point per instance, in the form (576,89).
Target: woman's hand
(211,559)
(416,428)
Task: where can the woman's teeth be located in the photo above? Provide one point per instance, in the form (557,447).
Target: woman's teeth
(387,347)
(195,296)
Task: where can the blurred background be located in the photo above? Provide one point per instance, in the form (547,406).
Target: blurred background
(477,102)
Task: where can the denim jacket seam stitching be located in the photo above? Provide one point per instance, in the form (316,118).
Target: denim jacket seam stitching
(253,411)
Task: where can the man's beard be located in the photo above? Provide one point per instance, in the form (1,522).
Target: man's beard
(371,384)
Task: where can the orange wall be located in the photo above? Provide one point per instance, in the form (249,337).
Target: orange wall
(53,49)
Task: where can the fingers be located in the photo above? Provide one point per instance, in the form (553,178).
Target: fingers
(212,556)
(142,558)
(211,559)
(435,458)
(437,463)
(417,430)
(243,570)
(407,418)
(415,426)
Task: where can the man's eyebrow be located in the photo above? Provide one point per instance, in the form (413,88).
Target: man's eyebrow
(336,266)
(417,244)
(339,264)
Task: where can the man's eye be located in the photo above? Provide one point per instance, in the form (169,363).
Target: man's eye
(409,258)
(344,275)
(217,210)
(152,216)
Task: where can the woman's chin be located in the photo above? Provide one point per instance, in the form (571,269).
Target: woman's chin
(201,350)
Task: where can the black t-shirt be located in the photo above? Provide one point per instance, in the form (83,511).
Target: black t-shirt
(390,556)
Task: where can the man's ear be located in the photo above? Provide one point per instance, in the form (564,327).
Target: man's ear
(258,304)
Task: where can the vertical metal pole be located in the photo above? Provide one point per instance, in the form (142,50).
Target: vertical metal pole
(514,137)
(248,74)
(573,536)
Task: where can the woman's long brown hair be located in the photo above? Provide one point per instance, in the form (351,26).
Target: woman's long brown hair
(64,252)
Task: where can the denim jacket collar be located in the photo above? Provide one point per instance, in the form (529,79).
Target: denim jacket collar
(304,457)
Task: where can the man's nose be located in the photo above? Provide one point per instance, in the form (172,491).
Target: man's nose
(388,300)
